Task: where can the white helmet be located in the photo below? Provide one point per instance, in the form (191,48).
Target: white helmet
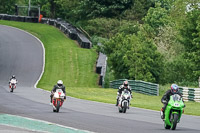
(60,83)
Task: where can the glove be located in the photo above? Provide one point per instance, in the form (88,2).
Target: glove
(118,94)
(131,96)
(64,97)
(164,101)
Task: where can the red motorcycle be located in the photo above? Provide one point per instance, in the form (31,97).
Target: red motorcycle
(58,99)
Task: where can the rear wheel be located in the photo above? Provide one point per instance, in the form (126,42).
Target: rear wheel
(174,122)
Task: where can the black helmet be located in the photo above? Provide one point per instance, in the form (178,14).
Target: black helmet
(13,76)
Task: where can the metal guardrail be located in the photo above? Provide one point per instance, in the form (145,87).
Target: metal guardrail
(190,94)
(69,30)
(138,86)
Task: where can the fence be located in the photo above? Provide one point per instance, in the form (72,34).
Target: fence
(138,86)
(190,94)
(69,30)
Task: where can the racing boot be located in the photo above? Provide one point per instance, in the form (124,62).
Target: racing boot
(162,114)
(117,103)
(51,100)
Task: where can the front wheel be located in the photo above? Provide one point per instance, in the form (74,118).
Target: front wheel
(58,106)
(11,89)
(174,122)
(124,108)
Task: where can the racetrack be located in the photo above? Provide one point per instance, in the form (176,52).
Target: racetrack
(22,54)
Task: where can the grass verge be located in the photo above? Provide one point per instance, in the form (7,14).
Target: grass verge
(108,95)
(64,59)
(75,66)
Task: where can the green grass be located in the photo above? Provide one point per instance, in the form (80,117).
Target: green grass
(64,59)
(108,95)
(75,66)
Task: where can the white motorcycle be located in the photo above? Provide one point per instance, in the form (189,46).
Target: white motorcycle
(58,99)
(124,101)
(12,84)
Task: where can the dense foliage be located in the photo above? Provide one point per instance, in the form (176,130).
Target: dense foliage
(151,40)
(7,6)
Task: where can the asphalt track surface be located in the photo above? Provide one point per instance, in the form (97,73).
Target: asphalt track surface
(22,54)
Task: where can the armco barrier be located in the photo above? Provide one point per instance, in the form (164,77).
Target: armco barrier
(190,94)
(31,19)
(51,21)
(83,41)
(6,17)
(138,86)
(45,21)
(71,31)
(101,67)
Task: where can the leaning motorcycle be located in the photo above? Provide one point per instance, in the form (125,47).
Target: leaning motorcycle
(124,101)
(12,85)
(58,99)
(173,112)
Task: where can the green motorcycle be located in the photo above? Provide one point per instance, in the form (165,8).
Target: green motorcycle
(173,112)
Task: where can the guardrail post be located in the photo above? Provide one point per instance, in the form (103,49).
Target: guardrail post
(199,81)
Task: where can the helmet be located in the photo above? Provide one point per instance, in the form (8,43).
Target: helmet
(125,83)
(60,83)
(13,76)
(174,89)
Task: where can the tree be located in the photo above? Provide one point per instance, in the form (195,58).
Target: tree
(7,6)
(108,27)
(138,10)
(155,19)
(102,8)
(134,57)
(115,49)
(191,40)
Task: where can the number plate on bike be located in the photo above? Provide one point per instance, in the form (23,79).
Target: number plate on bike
(176,104)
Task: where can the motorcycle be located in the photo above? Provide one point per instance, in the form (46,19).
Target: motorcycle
(173,112)
(124,101)
(58,99)
(12,85)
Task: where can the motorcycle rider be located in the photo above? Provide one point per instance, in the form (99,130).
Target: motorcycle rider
(125,85)
(59,85)
(12,78)
(166,97)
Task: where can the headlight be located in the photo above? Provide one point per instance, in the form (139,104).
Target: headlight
(176,104)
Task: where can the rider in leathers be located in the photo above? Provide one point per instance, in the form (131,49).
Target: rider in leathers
(166,97)
(121,88)
(13,78)
(58,86)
